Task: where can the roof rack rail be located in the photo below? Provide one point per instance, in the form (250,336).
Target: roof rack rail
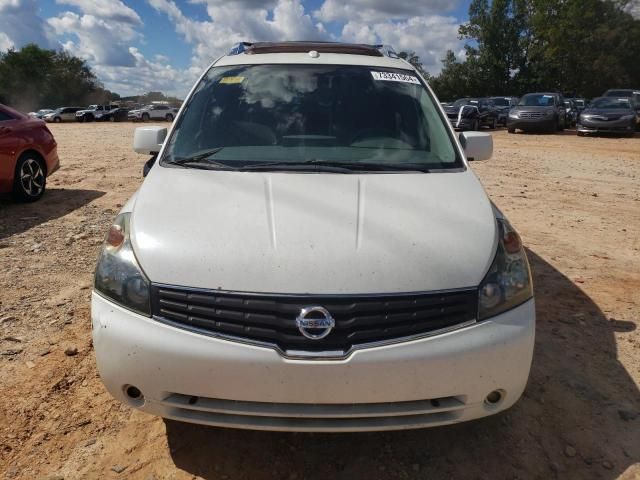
(239,48)
(249,48)
(387,51)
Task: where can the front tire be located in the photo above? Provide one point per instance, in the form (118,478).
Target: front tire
(145,117)
(30,179)
(57,120)
(494,123)
(511,130)
(169,117)
(475,126)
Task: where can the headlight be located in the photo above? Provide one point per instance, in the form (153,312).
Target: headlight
(628,117)
(549,113)
(118,275)
(508,282)
(513,115)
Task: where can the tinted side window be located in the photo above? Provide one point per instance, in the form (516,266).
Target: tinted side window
(5,116)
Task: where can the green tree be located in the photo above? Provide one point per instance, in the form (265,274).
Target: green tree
(577,47)
(32,78)
(414,60)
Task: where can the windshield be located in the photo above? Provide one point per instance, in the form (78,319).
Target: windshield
(250,114)
(501,102)
(536,100)
(619,93)
(610,102)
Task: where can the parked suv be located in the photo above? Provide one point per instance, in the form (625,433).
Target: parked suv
(153,112)
(62,114)
(538,111)
(94,112)
(311,252)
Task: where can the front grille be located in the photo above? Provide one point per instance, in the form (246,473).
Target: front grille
(530,114)
(270,319)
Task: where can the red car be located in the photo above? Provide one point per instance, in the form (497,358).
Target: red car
(28,155)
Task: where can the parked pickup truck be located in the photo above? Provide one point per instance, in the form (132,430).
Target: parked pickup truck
(153,112)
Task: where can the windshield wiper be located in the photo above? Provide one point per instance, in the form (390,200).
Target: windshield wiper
(317,164)
(202,158)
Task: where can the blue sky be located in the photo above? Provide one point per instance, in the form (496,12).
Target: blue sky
(141,45)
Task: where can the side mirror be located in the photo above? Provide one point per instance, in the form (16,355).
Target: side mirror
(148,140)
(477,145)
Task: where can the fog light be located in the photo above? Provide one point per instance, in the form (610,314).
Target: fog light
(133,392)
(494,397)
(134,395)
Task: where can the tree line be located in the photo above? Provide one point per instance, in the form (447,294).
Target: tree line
(576,47)
(32,78)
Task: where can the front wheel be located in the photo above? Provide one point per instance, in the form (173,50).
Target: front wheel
(145,117)
(80,119)
(169,117)
(494,123)
(475,126)
(57,120)
(30,180)
(511,130)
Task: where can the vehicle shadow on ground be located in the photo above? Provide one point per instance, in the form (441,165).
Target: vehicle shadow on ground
(16,217)
(575,420)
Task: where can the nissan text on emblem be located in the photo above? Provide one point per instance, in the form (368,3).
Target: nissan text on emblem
(315,323)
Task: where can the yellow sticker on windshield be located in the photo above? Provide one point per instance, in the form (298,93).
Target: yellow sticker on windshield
(231,80)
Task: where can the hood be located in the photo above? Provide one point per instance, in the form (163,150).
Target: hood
(534,108)
(313,233)
(610,113)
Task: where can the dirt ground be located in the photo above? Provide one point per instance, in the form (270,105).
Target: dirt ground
(575,201)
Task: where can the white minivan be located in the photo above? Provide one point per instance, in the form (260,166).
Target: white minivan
(311,252)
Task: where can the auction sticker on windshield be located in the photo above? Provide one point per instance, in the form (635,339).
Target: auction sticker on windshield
(395,77)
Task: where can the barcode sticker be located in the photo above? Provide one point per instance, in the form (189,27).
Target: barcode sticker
(395,77)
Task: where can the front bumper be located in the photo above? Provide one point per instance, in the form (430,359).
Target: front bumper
(532,124)
(431,381)
(602,126)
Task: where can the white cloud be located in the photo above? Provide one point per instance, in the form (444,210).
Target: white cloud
(429,36)
(20,23)
(247,20)
(379,10)
(97,40)
(633,8)
(103,31)
(113,10)
(5,42)
(146,75)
